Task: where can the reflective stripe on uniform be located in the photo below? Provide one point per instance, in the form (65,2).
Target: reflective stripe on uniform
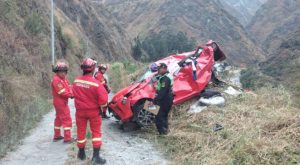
(67,128)
(81,141)
(96,139)
(61,91)
(86,82)
(56,127)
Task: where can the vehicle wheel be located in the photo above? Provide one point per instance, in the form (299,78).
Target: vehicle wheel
(142,117)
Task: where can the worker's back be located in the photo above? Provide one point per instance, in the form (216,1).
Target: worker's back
(88,93)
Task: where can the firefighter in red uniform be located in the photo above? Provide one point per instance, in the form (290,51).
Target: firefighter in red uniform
(90,97)
(102,68)
(61,92)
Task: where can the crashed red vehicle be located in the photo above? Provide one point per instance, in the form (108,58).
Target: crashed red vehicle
(191,73)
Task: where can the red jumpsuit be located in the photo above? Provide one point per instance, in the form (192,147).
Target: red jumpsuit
(61,91)
(89,96)
(100,77)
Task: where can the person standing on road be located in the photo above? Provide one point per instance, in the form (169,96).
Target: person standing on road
(164,98)
(90,97)
(61,92)
(102,68)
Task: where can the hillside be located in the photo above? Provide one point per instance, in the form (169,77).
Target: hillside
(273,21)
(110,40)
(201,19)
(25,62)
(284,63)
(243,10)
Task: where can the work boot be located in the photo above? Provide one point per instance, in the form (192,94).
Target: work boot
(96,157)
(163,131)
(58,139)
(81,154)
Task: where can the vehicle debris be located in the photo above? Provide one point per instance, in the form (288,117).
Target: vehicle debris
(231,91)
(217,127)
(216,100)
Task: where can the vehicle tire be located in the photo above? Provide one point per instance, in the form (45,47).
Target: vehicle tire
(142,117)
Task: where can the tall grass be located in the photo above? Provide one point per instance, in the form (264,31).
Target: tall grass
(261,128)
(120,74)
(18,118)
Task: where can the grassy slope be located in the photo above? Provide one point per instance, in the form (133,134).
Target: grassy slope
(259,128)
(24,78)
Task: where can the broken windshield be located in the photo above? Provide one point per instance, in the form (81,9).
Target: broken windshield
(147,74)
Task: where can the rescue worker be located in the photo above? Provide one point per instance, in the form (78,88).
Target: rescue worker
(90,96)
(163,98)
(102,68)
(61,92)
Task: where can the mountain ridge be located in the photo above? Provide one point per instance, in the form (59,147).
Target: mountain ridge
(201,19)
(273,21)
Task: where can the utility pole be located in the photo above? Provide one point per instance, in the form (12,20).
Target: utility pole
(52,33)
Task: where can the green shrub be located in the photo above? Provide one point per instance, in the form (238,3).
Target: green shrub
(253,79)
(68,41)
(33,24)
(118,74)
(6,8)
(19,119)
(65,40)
(157,45)
(130,67)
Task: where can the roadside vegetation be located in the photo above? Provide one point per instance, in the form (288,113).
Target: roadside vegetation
(156,45)
(19,110)
(260,128)
(254,79)
(25,66)
(122,74)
